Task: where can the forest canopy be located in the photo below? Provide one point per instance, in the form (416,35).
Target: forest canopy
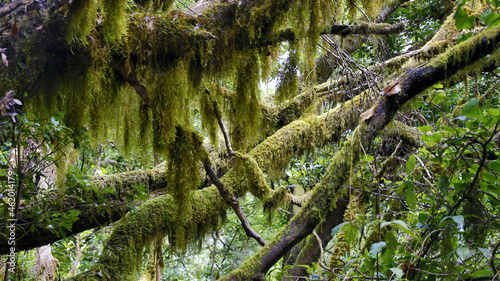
(250,139)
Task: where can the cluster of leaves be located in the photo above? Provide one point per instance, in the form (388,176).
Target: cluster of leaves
(488,18)
(438,217)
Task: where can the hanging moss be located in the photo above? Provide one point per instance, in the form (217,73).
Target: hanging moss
(371,8)
(184,156)
(342,245)
(313,36)
(288,81)
(352,10)
(115,19)
(81,19)
(209,121)
(245,110)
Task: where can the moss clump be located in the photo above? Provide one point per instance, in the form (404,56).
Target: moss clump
(253,177)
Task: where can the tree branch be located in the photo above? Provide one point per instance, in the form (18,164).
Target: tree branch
(232,201)
(324,193)
(221,125)
(364,29)
(11,7)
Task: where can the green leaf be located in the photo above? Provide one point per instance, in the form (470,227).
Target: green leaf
(488,17)
(495,3)
(494,165)
(463,37)
(404,227)
(398,272)
(436,137)
(444,182)
(489,177)
(392,243)
(410,196)
(336,229)
(417,102)
(439,97)
(482,273)
(351,233)
(54,121)
(486,252)
(462,19)
(462,252)
(410,164)
(368,158)
(471,109)
(459,219)
(438,86)
(376,248)
(424,129)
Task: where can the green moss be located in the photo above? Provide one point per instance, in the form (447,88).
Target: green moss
(245,109)
(288,81)
(342,245)
(352,10)
(115,21)
(183,177)
(82,16)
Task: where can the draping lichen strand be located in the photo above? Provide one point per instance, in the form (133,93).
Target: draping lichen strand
(245,110)
(115,19)
(81,19)
(176,43)
(183,176)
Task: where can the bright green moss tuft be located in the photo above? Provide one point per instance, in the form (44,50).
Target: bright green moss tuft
(81,19)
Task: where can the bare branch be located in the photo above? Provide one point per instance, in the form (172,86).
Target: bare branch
(221,125)
(232,201)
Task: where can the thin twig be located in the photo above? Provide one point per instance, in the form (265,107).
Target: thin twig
(221,125)
(187,7)
(232,201)
(492,260)
(320,251)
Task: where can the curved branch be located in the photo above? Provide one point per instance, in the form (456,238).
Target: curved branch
(324,193)
(364,29)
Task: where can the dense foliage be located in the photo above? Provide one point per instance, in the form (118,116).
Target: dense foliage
(137,138)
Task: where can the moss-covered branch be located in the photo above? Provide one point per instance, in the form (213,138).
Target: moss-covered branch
(337,173)
(364,29)
(311,251)
(87,198)
(132,234)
